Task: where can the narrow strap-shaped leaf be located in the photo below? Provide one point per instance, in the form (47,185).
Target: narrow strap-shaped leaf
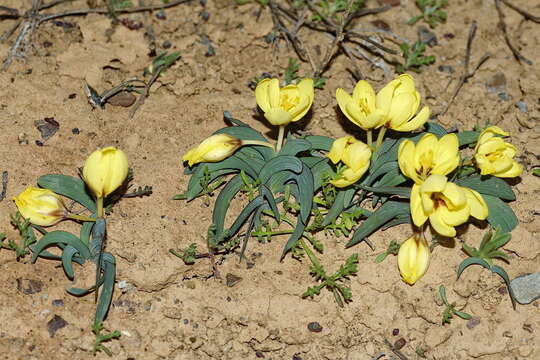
(320,142)
(435,129)
(245,214)
(320,171)
(104,302)
(381,170)
(269,197)
(467,137)
(248,133)
(500,214)
(294,146)
(381,216)
(223,202)
(500,271)
(337,207)
(296,235)
(496,243)
(488,185)
(99,233)
(405,219)
(471,261)
(86,230)
(229,117)
(68,186)
(279,164)
(64,237)
(391,190)
(304,180)
(195,188)
(67,258)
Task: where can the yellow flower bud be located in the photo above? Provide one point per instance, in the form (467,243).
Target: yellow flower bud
(355,155)
(494,156)
(429,156)
(41,206)
(446,204)
(413,259)
(398,103)
(105,170)
(284,105)
(213,149)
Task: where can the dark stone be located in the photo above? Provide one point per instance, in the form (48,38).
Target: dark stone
(427,36)
(446,69)
(205,15)
(72,96)
(315,327)
(473,322)
(55,324)
(58,302)
(166,44)
(259,354)
(395,332)
(380,24)
(232,280)
(123,98)
(47,127)
(29,286)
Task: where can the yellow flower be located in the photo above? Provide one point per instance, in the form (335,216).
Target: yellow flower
(398,103)
(413,259)
(445,204)
(355,155)
(281,106)
(494,156)
(105,170)
(429,156)
(40,206)
(213,149)
(360,108)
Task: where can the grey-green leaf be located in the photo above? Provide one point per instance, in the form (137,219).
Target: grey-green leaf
(488,185)
(68,186)
(500,214)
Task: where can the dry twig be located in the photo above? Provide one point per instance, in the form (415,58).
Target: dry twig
(466,73)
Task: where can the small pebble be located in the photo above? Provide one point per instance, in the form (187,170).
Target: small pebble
(399,344)
(522,105)
(75,131)
(23,139)
(379,24)
(526,288)
(504,96)
(473,322)
(161,15)
(166,44)
(395,332)
(315,327)
(205,15)
(232,279)
(55,324)
(58,302)
(427,36)
(29,286)
(123,98)
(259,354)
(502,290)
(72,96)
(446,69)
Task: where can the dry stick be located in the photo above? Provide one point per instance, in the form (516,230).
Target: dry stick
(466,73)
(525,14)
(144,94)
(356,71)
(53,3)
(515,51)
(290,37)
(4,185)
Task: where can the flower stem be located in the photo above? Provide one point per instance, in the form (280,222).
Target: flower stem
(309,253)
(257,142)
(99,204)
(380,137)
(281,135)
(80,217)
(370,138)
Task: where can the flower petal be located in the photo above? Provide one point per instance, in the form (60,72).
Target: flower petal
(418,215)
(416,122)
(478,206)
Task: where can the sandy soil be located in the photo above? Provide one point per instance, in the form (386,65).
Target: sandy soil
(169,310)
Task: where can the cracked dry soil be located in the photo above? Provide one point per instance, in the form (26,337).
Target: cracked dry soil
(167,310)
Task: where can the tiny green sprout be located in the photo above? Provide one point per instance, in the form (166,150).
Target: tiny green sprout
(97,328)
(330,8)
(420,351)
(319,83)
(536,172)
(393,249)
(188,256)
(26,232)
(161,63)
(291,72)
(114,5)
(450,309)
(431,12)
(486,253)
(342,293)
(414,57)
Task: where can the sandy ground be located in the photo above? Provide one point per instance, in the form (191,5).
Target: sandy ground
(169,310)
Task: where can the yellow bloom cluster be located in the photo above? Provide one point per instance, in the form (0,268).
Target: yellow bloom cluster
(41,206)
(494,156)
(395,106)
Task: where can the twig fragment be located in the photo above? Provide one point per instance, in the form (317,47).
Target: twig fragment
(466,73)
(4,185)
(502,23)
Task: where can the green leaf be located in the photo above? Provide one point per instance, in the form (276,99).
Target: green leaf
(463,315)
(269,197)
(467,137)
(248,133)
(404,192)
(337,207)
(382,215)
(304,181)
(244,215)
(500,271)
(67,258)
(442,294)
(98,237)
(488,185)
(68,186)
(223,202)
(109,275)
(435,129)
(86,230)
(500,214)
(63,237)
(294,146)
(278,164)
(471,261)
(320,142)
